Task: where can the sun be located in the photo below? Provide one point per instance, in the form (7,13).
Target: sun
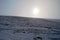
(36,11)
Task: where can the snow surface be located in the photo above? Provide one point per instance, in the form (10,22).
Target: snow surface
(22,28)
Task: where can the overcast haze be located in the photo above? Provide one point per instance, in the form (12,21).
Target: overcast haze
(48,8)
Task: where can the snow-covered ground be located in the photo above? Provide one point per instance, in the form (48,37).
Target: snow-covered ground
(22,28)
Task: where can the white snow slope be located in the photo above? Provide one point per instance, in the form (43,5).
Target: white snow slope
(23,28)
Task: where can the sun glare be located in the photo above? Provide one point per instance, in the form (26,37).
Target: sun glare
(35,11)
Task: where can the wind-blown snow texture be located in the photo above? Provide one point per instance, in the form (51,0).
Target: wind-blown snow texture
(23,28)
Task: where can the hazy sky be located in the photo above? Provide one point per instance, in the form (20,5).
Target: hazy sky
(47,8)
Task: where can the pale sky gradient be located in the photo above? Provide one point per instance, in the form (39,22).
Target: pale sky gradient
(48,8)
